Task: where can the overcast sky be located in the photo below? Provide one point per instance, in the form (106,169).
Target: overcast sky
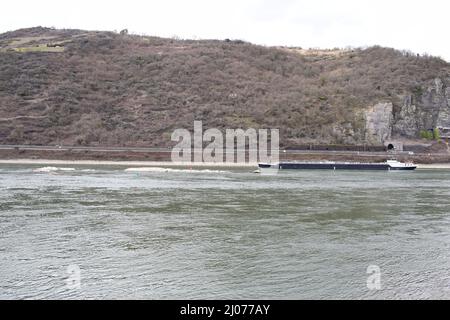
(420,26)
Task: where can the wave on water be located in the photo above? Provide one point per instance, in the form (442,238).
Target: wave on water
(53,169)
(56,169)
(156,169)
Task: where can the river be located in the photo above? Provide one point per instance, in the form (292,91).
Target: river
(103,232)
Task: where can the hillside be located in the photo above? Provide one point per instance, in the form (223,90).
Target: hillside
(75,87)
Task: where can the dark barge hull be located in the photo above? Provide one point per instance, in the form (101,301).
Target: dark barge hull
(335,166)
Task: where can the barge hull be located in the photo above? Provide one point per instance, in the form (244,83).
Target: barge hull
(336,166)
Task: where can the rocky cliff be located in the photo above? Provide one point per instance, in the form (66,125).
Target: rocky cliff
(427,108)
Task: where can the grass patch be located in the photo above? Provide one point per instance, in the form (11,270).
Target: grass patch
(39,48)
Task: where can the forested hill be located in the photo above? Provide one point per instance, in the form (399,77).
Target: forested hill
(77,87)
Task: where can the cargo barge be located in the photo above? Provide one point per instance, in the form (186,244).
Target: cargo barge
(331,165)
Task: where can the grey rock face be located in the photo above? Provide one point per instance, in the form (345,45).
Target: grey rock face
(379,121)
(434,105)
(406,121)
(444,110)
(427,111)
(447,95)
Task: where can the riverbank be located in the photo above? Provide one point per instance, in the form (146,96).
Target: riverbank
(443,166)
(49,162)
(163,155)
(166,164)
